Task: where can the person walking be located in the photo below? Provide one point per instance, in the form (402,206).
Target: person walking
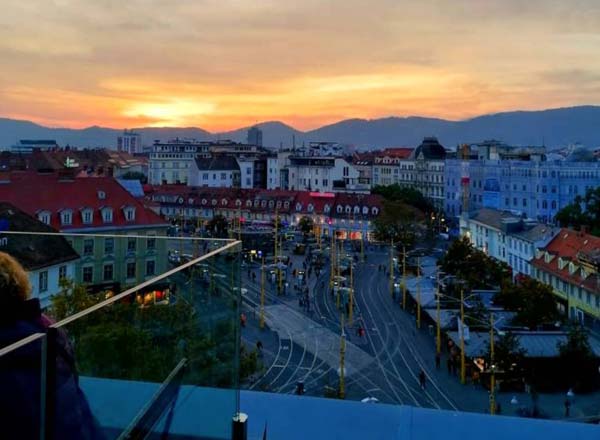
(422,379)
(449,364)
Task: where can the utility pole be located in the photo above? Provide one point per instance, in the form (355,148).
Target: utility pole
(418,293)
(351,293)
(342,360)
(492,368)
(262,294)
(337,271)
(362,247)
(462,337)
(275,260)
(392,268)
(332,260)
(438,340)
(403,277)
(240,224)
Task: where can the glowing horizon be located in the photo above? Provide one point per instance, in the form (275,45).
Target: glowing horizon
(229,64)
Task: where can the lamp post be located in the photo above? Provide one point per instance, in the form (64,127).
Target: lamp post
(350,299)
(403,277)
(462,338)
(418,293)
(492,368)
(342,391)
(438,333)
(392,267)
(262,294)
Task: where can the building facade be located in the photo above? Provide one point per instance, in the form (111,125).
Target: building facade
(130,142)
(570,263)
(216,171)
(127,251)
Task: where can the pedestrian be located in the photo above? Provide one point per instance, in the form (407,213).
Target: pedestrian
(422,379)
(449,364)
(437,361)
(567,408)
(259,346)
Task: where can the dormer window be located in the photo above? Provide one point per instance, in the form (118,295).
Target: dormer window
(214,202)
(107,215)
(44,217)
(374,211)
(190,201)
(365,210)
(129,212)
(357,209)
(326,209)
(238,203)
(204,201)
(224,202)
(66,217)
(339,209)
(298,206)
(256,203)
(310,207)
(87,216)
(279,203)
(348,209)
(271,203)
(263,203)
(101,195)
(286,205)
(248,203)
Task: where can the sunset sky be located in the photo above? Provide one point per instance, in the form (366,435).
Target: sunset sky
(226,64)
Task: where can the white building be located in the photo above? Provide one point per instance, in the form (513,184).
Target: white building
(508,238)
(321,174)
(46,259)
(130,142)
(218,171)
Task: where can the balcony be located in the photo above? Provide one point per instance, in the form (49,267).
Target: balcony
(136,345)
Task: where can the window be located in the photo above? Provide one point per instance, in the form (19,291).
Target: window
(43,281)
(131,245)
(88,246)
(88,274)
(223,176)
(62,272)
(150,267)
(130,214)
(44,217)
(248,171)
(553,204)
(325,182)
(205,176)
(87,216)
(107,273)
(107,215)
(109,245)
(66,217)
(131,270)
(151,244)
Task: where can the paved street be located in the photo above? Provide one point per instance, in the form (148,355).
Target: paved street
(385,363)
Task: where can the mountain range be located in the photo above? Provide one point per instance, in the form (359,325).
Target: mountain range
(553,128)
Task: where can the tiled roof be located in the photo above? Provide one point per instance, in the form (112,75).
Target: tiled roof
(33,192)
(33,251)
(217,163)
(578,248)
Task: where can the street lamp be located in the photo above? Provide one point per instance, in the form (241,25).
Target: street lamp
(570,394)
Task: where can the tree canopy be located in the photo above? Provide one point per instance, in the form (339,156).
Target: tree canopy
(533,301)
(398,221)
(305,225)
(584,211)
(473,266)
(508,353)
(407,195)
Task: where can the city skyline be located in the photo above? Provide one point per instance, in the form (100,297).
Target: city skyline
(222,65)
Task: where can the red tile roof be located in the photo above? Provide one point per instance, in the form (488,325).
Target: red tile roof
(578,247)
(397,152)
(33,192)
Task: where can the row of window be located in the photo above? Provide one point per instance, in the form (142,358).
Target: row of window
(87,215)
(87,274)
(568,288)
(109,245)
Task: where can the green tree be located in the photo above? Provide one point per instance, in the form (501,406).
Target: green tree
(407,195)
(508,353)
(533,302)
(72,298)
(583,211)
(397,221)
(305,225)
(218,226)
(577,358)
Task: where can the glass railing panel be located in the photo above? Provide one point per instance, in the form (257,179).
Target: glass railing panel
(133,307)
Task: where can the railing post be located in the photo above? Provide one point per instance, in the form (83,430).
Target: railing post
(239,427)
(50,385)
